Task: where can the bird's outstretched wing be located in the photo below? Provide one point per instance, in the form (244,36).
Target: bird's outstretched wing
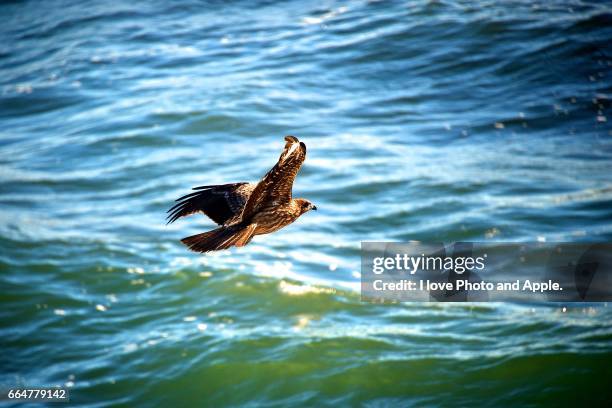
(276,185)
(220,202)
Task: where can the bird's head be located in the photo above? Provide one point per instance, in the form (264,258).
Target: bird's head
(305,205)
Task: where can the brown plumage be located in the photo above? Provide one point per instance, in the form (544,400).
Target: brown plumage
(244,210)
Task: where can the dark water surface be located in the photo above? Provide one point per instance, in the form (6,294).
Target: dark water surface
(425,120)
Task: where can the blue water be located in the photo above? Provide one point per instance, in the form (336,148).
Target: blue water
(424,120)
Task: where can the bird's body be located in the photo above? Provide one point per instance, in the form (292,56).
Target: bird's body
(274,217)
(244,210)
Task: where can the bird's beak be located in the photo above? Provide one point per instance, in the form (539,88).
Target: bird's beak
(314,207)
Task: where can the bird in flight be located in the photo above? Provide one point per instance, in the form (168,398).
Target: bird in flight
(243,210)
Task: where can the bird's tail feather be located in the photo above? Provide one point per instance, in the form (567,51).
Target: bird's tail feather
(220,238)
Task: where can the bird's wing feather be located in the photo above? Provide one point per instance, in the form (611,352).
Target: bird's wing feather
(276,185)
(220,202)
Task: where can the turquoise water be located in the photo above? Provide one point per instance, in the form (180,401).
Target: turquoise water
(424,121)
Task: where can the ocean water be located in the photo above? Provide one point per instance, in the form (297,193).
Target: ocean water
(424,120)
